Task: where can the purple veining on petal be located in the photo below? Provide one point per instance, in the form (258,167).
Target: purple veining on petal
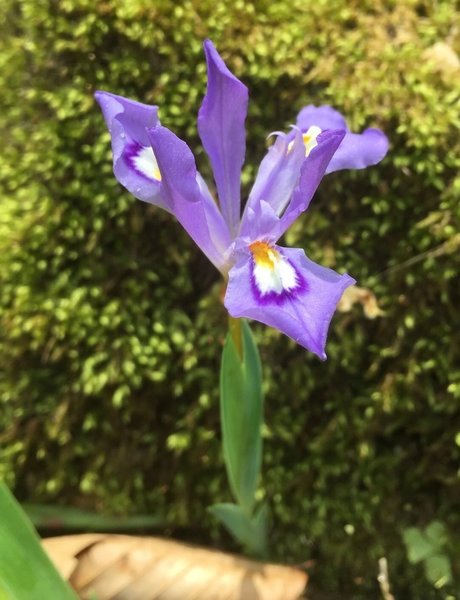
(280,287)
(132,151)
(304,317)
(274,297)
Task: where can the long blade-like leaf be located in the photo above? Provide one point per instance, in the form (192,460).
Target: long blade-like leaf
(251,532)
(52,517)
(25,569)
(241,404)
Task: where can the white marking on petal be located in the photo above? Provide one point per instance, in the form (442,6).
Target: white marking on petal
(287,274)
(272,272)
(146,163)
(309,139)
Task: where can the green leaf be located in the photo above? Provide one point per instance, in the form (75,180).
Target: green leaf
(25,569)
(419,547)
(251,532)
(438,571)
(260,525)
(241,404)
(436,533)
(68,518)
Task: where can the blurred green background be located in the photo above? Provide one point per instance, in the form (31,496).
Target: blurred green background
(111,322)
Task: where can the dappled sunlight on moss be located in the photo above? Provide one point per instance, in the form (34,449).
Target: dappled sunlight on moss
(109,346)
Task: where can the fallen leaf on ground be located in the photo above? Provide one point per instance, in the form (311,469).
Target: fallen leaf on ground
(119,567)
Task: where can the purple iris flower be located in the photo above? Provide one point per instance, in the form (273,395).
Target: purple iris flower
(278,286)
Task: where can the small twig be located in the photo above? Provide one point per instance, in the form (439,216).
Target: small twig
(446,247)
(383,579)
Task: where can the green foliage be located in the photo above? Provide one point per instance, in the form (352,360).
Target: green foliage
(64,518)
(110,320)
(25,569)
(429,547)
(241,410)
(241,413)
(249,530)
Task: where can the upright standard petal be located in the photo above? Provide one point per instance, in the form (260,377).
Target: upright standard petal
(278,173)
(284,289)
(313,169)
(260,222)
(356,151)
(221,127)
(134,162)
(187,197)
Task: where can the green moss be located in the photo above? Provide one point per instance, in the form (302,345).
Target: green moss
(110,320)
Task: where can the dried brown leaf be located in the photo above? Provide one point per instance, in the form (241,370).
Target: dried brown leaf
(357,295)
(118,567)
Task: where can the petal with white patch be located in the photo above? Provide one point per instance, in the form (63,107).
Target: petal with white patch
(143,160)
(133,166)
(309,139)
(302,312)
(273,278)
(357,150)
(188,197)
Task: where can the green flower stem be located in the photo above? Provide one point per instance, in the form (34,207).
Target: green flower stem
(234,328)
(241,406)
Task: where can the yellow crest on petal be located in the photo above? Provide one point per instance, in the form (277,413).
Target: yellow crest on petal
(309,139)
(263,254)
(273,275)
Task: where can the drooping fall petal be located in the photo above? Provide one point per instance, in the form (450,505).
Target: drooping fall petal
(357,150)
(309,172)
(187,197)
(284,289)
(134,162)
(278,172)
(313,169)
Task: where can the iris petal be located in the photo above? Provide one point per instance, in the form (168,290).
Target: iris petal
(324,117)
(187,197)
(303,307)
(221,127)
(127,122)
(313,169)
(261,216)
(357,150)
(278,172)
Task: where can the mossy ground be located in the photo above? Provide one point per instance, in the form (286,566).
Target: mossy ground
(111,321)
